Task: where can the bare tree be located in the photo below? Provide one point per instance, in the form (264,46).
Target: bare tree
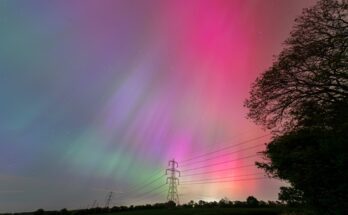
(312,70)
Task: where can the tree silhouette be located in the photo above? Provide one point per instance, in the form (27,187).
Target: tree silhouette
(252,201)
(64,211)
(171,204)
(303,99)
(291,196)
(311,71)
(39,212)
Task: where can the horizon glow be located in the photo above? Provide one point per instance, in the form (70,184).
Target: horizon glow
(96,96)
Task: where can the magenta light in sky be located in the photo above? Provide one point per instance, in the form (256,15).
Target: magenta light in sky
(99,95)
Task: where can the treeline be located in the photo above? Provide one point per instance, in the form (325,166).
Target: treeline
(251,202)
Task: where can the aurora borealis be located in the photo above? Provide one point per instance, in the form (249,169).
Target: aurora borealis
(96,96)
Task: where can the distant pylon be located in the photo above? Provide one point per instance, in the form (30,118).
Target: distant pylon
(95,204)
(173,181)
(108,199)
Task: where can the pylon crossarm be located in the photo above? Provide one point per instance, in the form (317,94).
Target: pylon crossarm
(173,181)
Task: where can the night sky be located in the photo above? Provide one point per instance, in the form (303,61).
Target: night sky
(97,96)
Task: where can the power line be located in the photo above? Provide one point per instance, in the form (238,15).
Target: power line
(108,199)
(160,191)
(229,161)
(224,148)
(173,182)
(230,138)
(130,193)
(146,181)
(95,204)
(148,192)
(220,170)
(214,182)
(149,183)
(223,155)
(229,177)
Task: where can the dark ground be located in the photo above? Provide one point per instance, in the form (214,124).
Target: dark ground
(206,211)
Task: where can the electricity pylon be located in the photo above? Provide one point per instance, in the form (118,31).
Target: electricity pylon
(95,204)
(173,181)
(108,199)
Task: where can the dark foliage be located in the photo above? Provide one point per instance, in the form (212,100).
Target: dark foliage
(310,72)
(303,99)
(291,196)
(314,162)
(252,201)
(39,212)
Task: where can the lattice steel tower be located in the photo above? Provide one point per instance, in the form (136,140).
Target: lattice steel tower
(108,199)
(173,181)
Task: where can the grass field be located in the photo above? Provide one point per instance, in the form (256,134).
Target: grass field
(206,211)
